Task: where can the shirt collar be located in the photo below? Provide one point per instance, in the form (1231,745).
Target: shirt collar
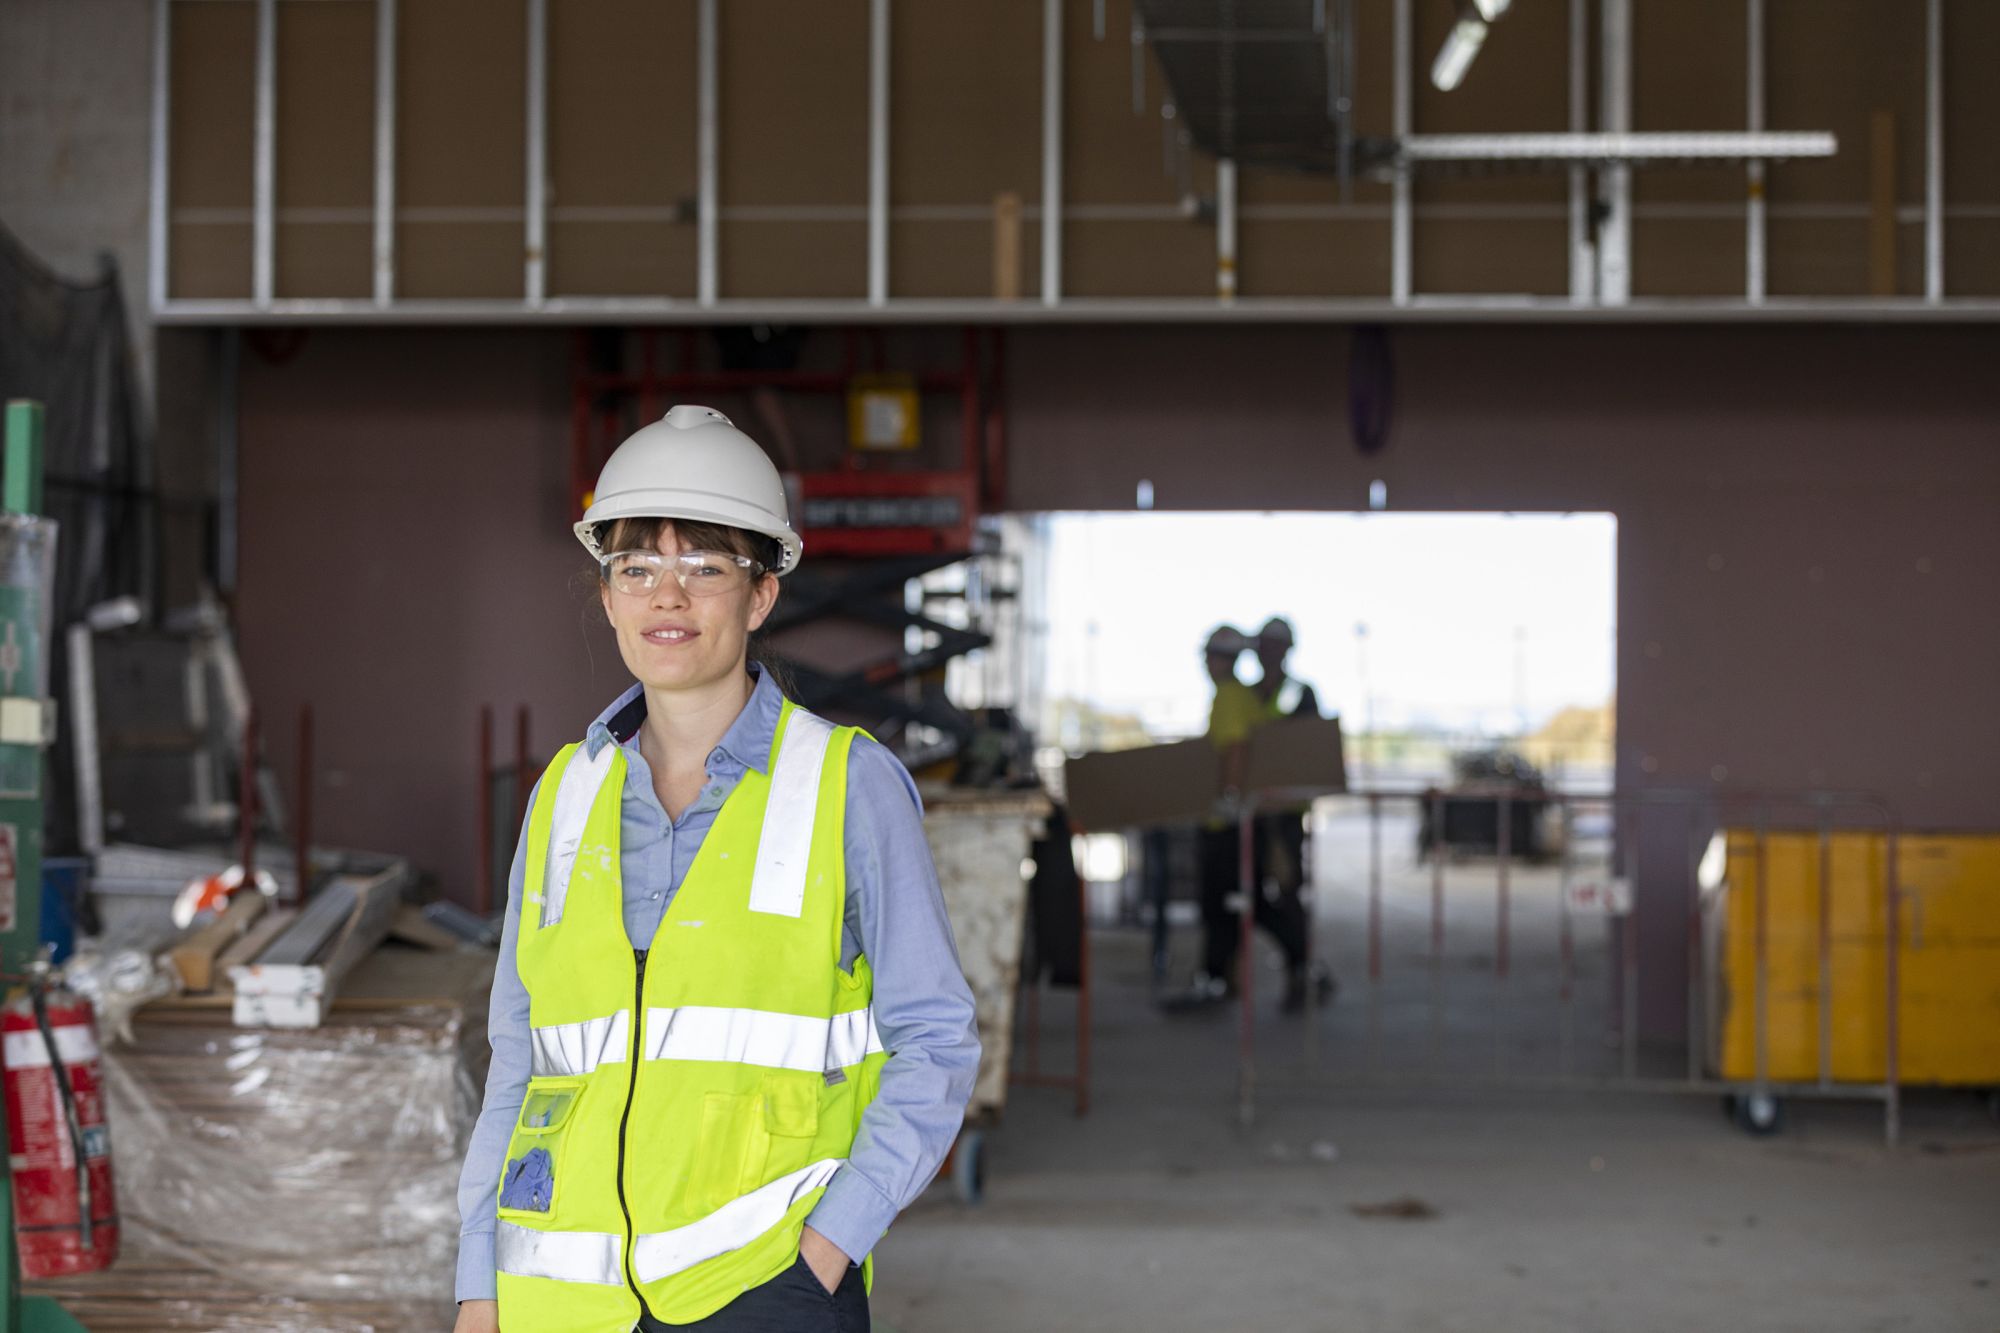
(747,742)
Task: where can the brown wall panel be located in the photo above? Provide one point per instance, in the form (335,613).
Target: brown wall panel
(1690,71)
(622,103)
(459,261)
(326,105)
(1110,154)
(1812,256)
(1833,64)
(621,259)
(1500,256)
(955,259)
(461,70)
(1688,256)
(793,101)
(965,98)
(1972,256)
(1281,257)
(212,114)
(809,260)
(622,107)
(1117,258)
(209,261)
(325,259)
(1971,101)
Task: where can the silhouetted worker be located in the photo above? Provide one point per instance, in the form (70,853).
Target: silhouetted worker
(1281,835)
(1236,712)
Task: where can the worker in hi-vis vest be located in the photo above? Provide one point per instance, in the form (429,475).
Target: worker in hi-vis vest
(731,1038)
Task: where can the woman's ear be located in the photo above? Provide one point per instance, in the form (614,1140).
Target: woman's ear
(763,596)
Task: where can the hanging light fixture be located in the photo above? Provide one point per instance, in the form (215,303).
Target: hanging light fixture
(1463,43)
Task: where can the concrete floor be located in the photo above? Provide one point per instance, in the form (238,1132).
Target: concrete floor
(1545,1209)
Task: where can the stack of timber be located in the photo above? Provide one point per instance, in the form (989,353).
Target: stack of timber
(295,1179)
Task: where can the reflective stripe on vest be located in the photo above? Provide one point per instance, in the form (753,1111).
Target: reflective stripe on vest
(567,1256)
(779,885)
(758,1037)
(578,1048)
(663,1253)
(580,781)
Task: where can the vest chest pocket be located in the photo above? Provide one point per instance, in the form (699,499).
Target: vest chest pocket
(749,1139)
(531,1180)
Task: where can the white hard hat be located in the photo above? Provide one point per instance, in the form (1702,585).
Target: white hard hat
(692,463)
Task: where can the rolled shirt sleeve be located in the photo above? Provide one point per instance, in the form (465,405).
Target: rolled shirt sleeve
(923,1007)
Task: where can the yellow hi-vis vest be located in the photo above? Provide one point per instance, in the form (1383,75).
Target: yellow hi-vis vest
(689,1108)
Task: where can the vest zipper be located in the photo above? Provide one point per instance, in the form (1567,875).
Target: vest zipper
(631,1087)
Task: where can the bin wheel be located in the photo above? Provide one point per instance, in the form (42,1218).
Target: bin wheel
(968,1167)
(1758,1113)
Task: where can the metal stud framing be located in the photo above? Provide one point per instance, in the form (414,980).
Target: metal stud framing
(1600,264)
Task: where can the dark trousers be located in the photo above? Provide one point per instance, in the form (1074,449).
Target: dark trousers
(1282,917)
(791,1302)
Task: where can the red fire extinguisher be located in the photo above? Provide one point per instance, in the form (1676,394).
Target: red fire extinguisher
(65,1216)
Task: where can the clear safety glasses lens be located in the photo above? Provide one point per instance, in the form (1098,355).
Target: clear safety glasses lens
(701,573)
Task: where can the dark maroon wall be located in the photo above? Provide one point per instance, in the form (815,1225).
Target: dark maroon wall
(1807,544)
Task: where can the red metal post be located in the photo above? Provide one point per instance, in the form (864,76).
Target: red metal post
(302,876)
(482,896)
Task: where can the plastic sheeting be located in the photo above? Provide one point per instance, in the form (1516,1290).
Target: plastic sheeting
(282,1180)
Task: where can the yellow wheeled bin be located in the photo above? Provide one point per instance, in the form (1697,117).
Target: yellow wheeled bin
(1947,950)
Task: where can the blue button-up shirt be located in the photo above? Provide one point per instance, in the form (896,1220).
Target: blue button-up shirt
(895,916)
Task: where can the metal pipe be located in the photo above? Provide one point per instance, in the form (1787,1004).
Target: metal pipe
(1052,161)
(1614,236)
(263,261)
(156,220)
(1225,229)
(1934,152)
(1582,255)
(1400,220)
(385,151)
(706,114)
(1754,233)
(878,152)
(302,826)
(535,278)
(482,895)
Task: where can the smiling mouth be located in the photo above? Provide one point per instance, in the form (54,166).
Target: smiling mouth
(668,637)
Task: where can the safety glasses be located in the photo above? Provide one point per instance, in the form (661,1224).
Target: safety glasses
(700,573)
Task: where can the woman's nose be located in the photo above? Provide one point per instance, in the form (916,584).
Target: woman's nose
(668,592)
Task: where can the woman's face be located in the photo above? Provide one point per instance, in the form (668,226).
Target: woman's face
(673,641)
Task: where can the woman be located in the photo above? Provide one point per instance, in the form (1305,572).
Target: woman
(731,1039)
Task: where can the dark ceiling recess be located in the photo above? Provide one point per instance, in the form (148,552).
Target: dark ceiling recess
(1265,82)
